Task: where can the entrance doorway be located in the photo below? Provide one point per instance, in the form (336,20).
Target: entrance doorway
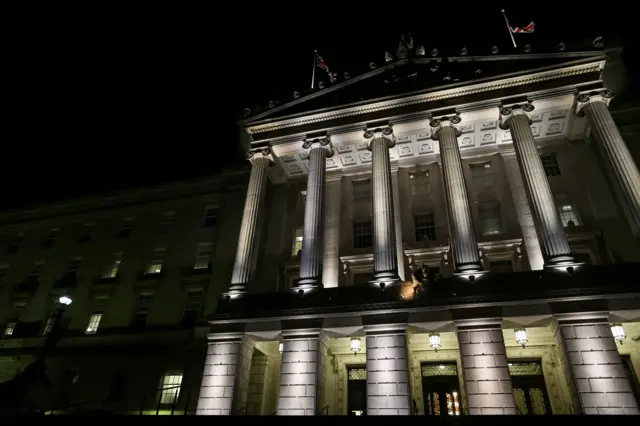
(356,391)
(529,388)
(440,389)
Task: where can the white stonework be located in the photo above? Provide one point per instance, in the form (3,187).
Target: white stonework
(387,373)
(333,218)
(219,377)
(298,376)
(484,368)
(599,376)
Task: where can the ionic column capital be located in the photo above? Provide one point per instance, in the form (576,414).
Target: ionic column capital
(509,111)
(255,154)
(384,132)
(585,98)
(439,123)
(319,143)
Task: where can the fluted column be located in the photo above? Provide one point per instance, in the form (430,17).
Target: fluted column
(313,232)
(551,235)
(463,240)
(385,257)
(595,106)
(244,265)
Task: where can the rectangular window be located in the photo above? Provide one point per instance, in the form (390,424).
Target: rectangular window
(490,218)
(87,232)
(420,183)
(194,302)
(568,213)
(48,325)
(211,216)
(501,266)
(361,190)
(111,271)
(170,390)
(440,389)
(550,165)
(362,235)
(203,256)
(10,328)
(36,269)
(529,388)
(155,266)
(481,174)
(297,242)
(14,243)
(50,239)
(425,227)
(94,323)
(125,228)
(143,308)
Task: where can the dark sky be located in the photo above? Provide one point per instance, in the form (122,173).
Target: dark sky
(106,99)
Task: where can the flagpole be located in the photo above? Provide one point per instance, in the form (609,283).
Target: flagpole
(313,74)
(506,21)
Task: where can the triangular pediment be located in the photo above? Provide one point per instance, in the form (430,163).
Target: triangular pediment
(416,75)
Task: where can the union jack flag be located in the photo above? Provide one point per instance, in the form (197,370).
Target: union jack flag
(528,29)
(322,64)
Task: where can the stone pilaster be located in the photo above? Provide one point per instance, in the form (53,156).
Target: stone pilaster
(397,214)
(595,106)
(385,257)
(219,375)
(313,236)
(551,235)
(525,218)
(487,382)
(463,240)
(333,216)
(387,371)
(299,374)
(244,264)
(598,373)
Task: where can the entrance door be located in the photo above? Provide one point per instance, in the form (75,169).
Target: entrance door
(356,391)
(440,389)
(529,388)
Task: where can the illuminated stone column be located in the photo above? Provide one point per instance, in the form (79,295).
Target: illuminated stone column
(595,106)
(244,265)
(551,235)
(463,240)
(313,233)
(333,217)
(598,373)
(219,375)
(299,373)
(387,371)
(487,382)
(385,256)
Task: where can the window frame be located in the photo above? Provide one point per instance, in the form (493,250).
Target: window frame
(93,325)
(551,167)
(429,227)
(486,230)
(420,182)
(366,238)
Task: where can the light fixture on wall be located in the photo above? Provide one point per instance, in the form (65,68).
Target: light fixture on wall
(65,300)
(521,336)
(355,345)
(434,341)
(281,347)
(618,332)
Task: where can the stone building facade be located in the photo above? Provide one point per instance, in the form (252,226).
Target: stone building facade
(415,248)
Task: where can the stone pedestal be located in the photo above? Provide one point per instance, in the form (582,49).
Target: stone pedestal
(598,373)
(385,257)
(551,235)
(463,241)
(387,371)
(485,372)
(313,232)
(615,152)
(219,375)
(246,253)
(299,374)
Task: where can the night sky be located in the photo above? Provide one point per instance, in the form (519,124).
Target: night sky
(126,98)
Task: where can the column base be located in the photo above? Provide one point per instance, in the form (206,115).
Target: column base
(308,283)
(236,291)
(385,279)
(465,268)
(560,260)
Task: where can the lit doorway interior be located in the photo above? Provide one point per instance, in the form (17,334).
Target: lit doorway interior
(529,388)
(440,388)
(357,391)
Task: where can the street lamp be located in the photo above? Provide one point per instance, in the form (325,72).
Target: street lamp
(281,347)
(434,341)
(355,345)
(521,336)
(65,300)
(618,332)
